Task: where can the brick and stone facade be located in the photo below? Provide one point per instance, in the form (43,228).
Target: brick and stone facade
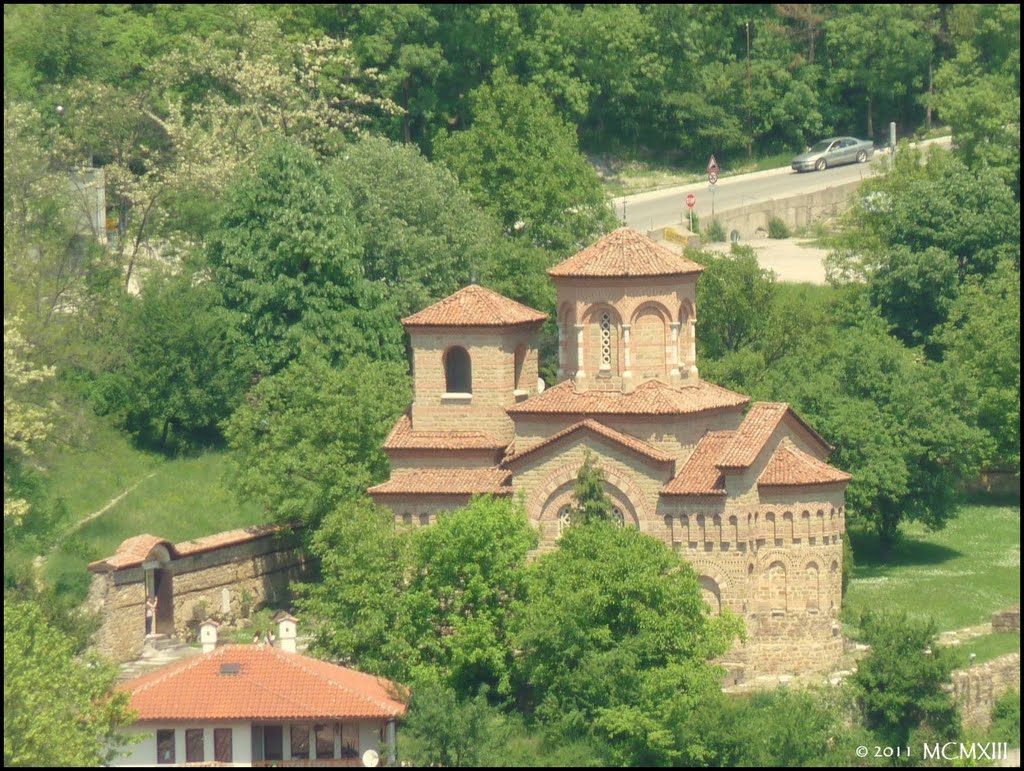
(741,491)
(222,576)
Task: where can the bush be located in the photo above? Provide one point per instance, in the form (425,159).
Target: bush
(715,232)
(1006,719)
(695,223)
(777,228)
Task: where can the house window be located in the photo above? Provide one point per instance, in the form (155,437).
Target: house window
(458,371)
(300,741)
(194,745)
(273,742)
(324,741)
(165,746)
(606,341)
(349,740)
(222,745)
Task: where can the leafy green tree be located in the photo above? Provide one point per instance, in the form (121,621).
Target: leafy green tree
(590,501)
(521,161)
(981,340)
(58,710)
(424,237)
(901,683)
(615,638)
(287,255)
(309,438)
(181,362)
(734,298)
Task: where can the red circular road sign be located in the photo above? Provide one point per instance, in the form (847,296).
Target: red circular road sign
(691,200)
(712,177)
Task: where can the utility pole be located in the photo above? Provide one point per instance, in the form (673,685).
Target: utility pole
(750,139)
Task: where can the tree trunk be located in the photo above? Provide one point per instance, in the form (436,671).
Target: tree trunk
(406,128)
(931,91)
(871,127)
(163,435)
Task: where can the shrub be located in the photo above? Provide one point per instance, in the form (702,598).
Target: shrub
(694,222)
(1006,719)
(777,228)
(715,232)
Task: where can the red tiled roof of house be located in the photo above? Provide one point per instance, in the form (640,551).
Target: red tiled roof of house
(622,253)
(402,437)
(134,551)
(269,684)
(650,398)
(756,429)
(474,306)
(700,474)
(445,481)
(631,442)
(792,467)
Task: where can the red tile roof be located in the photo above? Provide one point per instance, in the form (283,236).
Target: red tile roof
(270,684)
(445,481)
(133,551)
(792,467)
(700,474)
(756,429)
(630,442)
(650,398)
(402,437)
(475,306)
(623,253)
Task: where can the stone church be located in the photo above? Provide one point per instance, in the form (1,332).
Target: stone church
(742,491)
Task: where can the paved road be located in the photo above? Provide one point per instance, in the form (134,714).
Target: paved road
(647,211)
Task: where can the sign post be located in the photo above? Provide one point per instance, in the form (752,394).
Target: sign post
(712,179)
(691,201)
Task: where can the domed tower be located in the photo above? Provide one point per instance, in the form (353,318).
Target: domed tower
(626,314)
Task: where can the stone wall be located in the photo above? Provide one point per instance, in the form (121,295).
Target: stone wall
(977,689)
(223,583)
(1007,620)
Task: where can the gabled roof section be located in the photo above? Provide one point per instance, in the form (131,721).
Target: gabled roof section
(402,437)
(265,683)
(592,426)
(446,481)
(755,431)
(133,551)
(700,474)
(650,398)
(792,467)
(474,306)
(625,253)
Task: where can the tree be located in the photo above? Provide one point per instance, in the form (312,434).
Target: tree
(181,361)
(58,710)
(615,638)
(520,161)
(424,237)
(287,255)
(734,297)
(591,502)
(901,683)
(309,439)
(430,603)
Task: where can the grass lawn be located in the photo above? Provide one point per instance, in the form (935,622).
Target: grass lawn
(958,576)
(175,498)
(987,647)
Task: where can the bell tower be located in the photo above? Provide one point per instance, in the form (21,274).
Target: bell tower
(626,314)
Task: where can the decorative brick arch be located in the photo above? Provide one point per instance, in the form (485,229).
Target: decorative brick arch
(651,305)
(627,489)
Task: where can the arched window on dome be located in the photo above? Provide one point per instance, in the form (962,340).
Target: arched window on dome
(458,371)
(606,341)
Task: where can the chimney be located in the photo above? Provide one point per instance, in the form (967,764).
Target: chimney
(286,631)
(208,634)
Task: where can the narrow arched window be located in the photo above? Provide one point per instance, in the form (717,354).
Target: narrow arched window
(606,341)
(458,372)
(520,362)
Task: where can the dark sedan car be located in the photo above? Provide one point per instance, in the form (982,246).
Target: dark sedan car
(834,152)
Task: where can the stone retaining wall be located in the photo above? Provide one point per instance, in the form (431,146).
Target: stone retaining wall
(977,689)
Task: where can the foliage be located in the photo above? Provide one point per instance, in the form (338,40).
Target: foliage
(287,256)
(520,161)
(1006,719)
(777,228)
(615,639)
(432,602)
(734,298)
(309,438)
(900,683)
(181,361)
(58,710)
(715,232)
(590,502)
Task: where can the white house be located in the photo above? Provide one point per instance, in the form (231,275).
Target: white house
(259,705)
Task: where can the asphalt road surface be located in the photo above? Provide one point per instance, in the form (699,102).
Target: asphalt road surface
(648,211)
